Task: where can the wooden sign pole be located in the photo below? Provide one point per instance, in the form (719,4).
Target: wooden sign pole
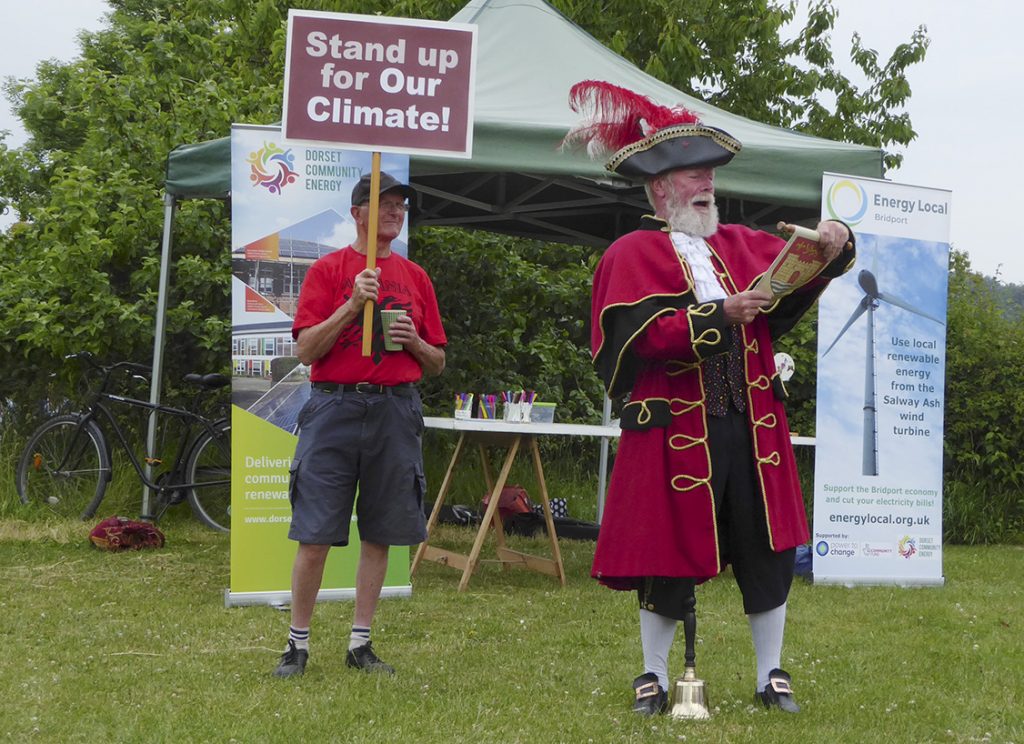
(371,250)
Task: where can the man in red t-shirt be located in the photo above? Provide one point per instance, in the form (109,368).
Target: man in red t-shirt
(361,429)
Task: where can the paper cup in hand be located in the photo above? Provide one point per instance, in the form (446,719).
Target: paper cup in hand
(387,317)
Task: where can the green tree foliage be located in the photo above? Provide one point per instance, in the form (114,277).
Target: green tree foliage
(81,270)
(801,343)
(517,317)
(1010,296)
(732,54)
(984,473)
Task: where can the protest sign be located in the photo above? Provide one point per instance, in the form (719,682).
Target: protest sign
(381,84)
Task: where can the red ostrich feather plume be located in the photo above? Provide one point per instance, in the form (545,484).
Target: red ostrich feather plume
(616,117)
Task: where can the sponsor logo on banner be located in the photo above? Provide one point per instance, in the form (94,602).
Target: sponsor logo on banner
(847,201)
(845,549)
(907,546)
(872,551)
(272,168)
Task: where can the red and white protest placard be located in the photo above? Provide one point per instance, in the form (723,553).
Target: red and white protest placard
(380,84)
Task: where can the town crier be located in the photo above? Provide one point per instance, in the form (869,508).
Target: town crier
(705,475)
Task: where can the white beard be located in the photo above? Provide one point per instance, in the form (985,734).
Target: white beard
(685,219)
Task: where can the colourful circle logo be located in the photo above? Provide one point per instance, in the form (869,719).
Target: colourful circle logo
(907,546)
(272,168)
(821,548)
(847,201)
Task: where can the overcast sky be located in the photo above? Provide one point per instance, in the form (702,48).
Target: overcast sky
(966,102)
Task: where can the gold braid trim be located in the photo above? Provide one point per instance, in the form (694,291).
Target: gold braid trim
(629,341)
(704,310)
(728,283)
(687,271)
(645,412)
(689,405)
(713,333)
(717,136)
(764,421)
(694,483)
(711,336)
(761,382)
(674,367)
(773,459)
(690,441)
(753,348)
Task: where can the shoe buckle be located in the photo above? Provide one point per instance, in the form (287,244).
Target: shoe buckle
(781,686)
(647,690)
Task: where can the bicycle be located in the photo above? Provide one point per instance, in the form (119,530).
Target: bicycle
(67,462)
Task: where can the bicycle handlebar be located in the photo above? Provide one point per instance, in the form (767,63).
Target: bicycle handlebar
(90,359)
(210,381)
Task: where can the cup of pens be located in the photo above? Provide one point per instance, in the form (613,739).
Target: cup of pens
(463,405)
(487,406)
(518,405)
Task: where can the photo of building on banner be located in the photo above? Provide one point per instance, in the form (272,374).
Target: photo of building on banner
(881,377)
(289,207)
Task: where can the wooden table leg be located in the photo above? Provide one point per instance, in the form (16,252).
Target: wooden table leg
(485,465)
(445,484)
(499,526)
(490,513)
(556,553)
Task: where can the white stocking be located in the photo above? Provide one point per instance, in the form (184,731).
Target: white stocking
(767,629)
(656,635)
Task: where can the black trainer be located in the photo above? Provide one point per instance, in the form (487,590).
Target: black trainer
(778,693)
(293,661)
(364,659)
(651,697)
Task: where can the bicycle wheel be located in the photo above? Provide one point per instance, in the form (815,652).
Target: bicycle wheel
(209,467)
(65,466)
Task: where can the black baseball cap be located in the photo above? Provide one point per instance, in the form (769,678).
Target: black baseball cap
(361,192)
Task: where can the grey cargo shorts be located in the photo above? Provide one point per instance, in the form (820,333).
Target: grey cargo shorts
(368,444)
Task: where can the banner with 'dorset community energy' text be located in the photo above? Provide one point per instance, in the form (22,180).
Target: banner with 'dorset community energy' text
(289,206)
(881,377)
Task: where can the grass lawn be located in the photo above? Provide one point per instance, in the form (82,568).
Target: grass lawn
(139,647)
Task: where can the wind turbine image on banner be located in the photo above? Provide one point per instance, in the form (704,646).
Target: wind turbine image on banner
(870,301)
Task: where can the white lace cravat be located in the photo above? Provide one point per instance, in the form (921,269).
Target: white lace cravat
(698,256)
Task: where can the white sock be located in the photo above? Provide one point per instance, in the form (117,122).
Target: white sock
(767,628)
(656,635)
(299,636)
(360,637)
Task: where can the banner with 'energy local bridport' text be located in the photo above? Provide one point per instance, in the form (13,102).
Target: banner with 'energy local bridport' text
(881,377)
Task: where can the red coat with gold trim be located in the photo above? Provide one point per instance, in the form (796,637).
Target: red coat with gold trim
(649,336)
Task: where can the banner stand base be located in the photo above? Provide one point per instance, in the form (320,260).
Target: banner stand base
(855,581)
(282,600)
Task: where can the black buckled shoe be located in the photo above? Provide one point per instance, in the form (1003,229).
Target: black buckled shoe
(364,659)
(293,661)
(778,693)
(651,697)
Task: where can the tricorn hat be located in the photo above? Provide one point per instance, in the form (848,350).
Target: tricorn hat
(640,138)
